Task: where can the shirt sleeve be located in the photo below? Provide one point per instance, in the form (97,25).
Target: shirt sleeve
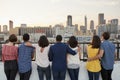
(70,51)
(102,46)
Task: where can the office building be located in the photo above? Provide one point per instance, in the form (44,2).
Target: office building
(69,20)
(91,25)
(10,24)
(85,23)
(114,21)
(5,28)
(101,19)
(23,25)
(0,28)
(42,30)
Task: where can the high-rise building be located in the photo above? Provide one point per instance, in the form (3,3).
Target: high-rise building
(69,20)
(23,25)
(0,28)
(91,25)
(10,24)
(85,22)
(5,28)
(101,19)
(83,29)
(114,21)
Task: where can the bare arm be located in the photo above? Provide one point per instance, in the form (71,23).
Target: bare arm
(100,54)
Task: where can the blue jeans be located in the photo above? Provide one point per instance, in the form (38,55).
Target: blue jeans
(44,71)
(59,75)
(93,75)
(73,73)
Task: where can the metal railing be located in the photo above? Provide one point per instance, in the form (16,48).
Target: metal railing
(83,50)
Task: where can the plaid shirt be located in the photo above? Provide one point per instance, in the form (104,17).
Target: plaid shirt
(24,58)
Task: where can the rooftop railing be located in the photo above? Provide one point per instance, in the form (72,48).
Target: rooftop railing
(83,50)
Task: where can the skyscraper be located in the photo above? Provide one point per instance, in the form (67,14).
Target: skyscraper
(0,28)
(10,24)
(69,20)
(91,25)
(85,23)
(101,19)
(114,21)
(5,28)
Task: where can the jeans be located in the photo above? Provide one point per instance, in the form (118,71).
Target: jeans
(73,73)
(26,75)
(60,75)
(93,75)
(106,74)
(11,69)
(44,71)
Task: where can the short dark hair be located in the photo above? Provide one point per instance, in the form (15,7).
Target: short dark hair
(26,37)
(96,42)
(73,42)
(43,41)
(58,38)
(12,38)
(106,35)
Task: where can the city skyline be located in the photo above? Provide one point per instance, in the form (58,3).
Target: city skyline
(51,12)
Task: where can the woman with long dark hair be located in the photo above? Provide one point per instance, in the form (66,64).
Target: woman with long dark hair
(93,67)
(42,60)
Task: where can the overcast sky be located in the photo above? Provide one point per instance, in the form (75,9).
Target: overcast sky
(51,12)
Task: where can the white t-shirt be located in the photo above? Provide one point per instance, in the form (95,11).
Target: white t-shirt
(42,59)
(73,61)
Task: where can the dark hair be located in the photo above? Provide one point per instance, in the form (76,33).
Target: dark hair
(12,38)
(106,35)
(96,42)
(58,38)
(26,37)
(43,41)
(72,42)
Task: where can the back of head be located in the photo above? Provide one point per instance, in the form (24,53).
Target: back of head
(26,37)
(96,41)
(59,38)
(43,41)
(106,35)
(73,42)
(12,38)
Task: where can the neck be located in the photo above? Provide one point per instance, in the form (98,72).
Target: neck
(10,43)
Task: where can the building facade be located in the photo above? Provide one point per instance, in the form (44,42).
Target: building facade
(69,20)
(10,24)
(101,19)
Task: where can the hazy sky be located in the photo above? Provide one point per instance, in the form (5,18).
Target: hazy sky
(51,12)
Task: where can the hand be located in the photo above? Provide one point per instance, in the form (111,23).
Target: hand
(89,59)
(78,49)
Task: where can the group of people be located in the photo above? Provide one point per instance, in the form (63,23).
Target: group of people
(64,57)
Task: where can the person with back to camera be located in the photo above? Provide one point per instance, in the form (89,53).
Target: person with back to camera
(73,61)
(93,67)
(9,57)
(42,60)
(25,55)
(58,56)
(107,56)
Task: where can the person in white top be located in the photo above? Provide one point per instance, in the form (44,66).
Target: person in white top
(73,61)
(42,60)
